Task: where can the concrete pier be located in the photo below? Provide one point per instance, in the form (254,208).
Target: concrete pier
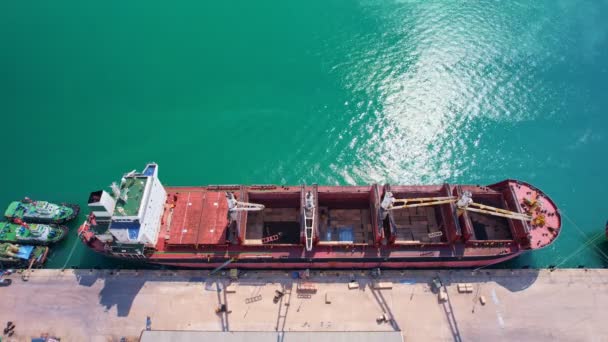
(101,305)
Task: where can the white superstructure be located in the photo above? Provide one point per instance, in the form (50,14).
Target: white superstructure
(139,207)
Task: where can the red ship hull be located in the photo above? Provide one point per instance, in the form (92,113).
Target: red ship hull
(197,231)
(196,263)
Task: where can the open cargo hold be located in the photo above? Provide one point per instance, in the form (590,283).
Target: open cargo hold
(279,222)
(481,227)
(345,217)
(421,224)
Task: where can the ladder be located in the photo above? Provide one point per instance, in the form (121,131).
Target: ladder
(283,303)
(271,238)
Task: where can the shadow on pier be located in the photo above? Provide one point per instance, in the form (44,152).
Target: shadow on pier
(121,287)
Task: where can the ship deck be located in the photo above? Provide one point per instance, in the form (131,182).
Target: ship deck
(194,217)
(195,224)
(8,231)
(134,190)
(541,236)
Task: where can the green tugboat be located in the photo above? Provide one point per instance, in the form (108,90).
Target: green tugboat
(31,234)
(41,211)
(12,255)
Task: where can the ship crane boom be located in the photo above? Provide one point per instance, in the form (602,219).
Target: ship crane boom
(234,206)
(495,212)
(420,202)
(465,202)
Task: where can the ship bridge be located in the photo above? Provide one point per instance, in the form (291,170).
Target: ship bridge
(131,214)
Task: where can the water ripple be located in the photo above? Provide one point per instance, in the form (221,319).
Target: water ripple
(429,85)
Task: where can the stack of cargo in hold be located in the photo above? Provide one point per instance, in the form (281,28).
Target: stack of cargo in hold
(314,226)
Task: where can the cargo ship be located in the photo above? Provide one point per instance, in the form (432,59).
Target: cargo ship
(318,227)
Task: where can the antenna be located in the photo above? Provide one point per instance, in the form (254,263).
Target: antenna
(124,196)
(115,190)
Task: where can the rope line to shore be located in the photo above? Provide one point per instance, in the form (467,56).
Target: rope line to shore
(581,249)
(70,255)
(582,233)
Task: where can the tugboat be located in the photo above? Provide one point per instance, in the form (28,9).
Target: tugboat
(41,211)
(12,255)
(34,233)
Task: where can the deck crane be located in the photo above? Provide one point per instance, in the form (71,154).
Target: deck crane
(464,203)
(309,220)
(235,207)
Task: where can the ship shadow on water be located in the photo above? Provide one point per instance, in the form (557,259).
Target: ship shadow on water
(119,288)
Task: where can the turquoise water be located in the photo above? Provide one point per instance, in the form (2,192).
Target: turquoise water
(287,92)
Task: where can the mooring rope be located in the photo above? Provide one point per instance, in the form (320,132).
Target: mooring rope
(581,248)
(582,233)
(70,255)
